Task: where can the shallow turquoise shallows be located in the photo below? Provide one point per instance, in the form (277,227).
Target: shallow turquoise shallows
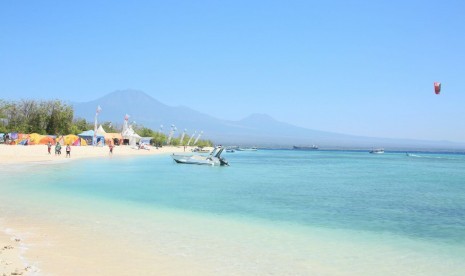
(413,199)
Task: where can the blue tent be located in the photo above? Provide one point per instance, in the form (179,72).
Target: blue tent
(88,135)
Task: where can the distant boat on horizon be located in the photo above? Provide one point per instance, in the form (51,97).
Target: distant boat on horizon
(247,149)
(377,151)
(312,147)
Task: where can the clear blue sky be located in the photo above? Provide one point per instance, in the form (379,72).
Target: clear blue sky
(357,67)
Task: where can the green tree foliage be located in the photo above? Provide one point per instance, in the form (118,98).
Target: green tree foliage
(175,141)
(61,118)
(145,132)
(3,118)
(80,125)
(31,116)
(159,139)
(56,117)
(204,143)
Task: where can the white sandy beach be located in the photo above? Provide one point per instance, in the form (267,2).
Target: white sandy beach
(38,153)
(85,253)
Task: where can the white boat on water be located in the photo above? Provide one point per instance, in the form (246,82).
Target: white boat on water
(377,151)
(213,159)
(247,149)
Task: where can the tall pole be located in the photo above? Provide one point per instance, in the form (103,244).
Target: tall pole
(94,139)
(125,124)
(182,136)
(200,134)
(173,129)
(190,139)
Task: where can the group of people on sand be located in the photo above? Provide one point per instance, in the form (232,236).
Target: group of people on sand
(68,149)
(58,149)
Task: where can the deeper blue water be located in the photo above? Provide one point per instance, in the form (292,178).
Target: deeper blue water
(419,198)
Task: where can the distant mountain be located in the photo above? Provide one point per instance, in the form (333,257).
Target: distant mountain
(256,129)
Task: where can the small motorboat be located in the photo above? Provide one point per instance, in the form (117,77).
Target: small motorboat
(213,159)
(377,151)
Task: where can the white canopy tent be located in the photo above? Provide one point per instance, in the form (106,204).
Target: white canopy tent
(101,131)
(131,135)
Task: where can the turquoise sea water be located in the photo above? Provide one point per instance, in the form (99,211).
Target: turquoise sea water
(323,212)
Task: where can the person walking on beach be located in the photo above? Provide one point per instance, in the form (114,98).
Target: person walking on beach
(58,149)
(49,147)
(68,151)
(111,148)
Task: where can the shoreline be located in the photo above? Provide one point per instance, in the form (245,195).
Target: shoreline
(19,254)
(12,248)
(17,154)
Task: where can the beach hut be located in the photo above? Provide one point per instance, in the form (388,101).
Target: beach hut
(114,138)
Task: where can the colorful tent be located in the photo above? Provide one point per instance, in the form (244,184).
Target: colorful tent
(89,135)
(46,139)
(70,139)
(34,138)
(19,139)
(14,136)
(80,142)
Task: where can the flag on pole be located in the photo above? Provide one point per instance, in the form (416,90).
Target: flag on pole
(94,139)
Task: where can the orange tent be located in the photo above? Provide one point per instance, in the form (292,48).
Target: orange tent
(46,139)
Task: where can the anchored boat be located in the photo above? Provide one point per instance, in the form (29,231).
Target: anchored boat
(213,159)
(377,151)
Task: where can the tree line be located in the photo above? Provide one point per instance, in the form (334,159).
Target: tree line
(55,117)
